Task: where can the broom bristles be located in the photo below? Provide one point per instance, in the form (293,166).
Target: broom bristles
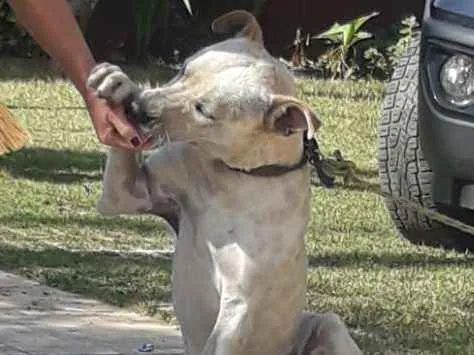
(12,135)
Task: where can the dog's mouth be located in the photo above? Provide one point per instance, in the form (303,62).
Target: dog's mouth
(149,127)
(153,133)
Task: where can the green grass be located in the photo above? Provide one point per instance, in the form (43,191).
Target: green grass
(398,298)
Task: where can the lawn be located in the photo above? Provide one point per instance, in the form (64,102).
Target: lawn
(397,298)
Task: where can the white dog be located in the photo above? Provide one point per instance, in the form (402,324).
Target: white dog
(233,183)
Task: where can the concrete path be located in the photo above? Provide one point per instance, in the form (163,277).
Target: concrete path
(39,320)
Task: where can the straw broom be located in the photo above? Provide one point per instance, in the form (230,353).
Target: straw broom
(12,136)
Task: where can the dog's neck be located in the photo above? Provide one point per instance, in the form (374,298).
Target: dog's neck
(272,170)
(265,155)
(291,157)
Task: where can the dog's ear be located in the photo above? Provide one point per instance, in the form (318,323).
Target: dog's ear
(251,29)
(288,115)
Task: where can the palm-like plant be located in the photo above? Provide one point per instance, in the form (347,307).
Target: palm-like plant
(344,38)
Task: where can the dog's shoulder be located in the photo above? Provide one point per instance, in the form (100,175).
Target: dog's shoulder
(180,164)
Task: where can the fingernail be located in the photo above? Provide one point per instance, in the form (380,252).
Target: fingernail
(135,141)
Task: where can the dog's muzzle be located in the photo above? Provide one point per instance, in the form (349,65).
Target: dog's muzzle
(139,118)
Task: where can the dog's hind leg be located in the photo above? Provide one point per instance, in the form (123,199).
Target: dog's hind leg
(323,334)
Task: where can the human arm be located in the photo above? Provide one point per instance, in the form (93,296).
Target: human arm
(52,25)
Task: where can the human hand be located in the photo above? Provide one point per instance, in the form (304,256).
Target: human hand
(53,26)
(111,125)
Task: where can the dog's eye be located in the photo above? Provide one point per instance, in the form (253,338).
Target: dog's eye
(200,108)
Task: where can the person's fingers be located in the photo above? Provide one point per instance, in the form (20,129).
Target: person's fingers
(148,144)
(111,137)
(112,127)
(114,139)
(120,124)
(107,134)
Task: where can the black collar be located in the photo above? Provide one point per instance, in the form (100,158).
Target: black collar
(272,170)
(311,156)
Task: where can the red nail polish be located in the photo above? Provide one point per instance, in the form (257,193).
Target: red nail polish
(135,141)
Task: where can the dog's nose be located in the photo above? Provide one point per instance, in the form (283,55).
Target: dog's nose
(136,114)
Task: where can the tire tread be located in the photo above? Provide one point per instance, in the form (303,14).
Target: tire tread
(403,170)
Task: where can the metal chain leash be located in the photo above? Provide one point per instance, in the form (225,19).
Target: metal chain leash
(328,168)
(315,159)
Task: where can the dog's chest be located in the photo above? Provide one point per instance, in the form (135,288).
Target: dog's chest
(255,256)
(248,232)
(245,244)
(259,215)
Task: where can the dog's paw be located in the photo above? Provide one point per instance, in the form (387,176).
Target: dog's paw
(111,83)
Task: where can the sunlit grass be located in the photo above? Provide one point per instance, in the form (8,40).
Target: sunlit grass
(396,297)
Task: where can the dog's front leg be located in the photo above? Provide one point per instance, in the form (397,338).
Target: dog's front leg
(125,189)
(230,328)
(112,84)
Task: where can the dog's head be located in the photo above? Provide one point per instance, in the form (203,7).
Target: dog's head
(234,100)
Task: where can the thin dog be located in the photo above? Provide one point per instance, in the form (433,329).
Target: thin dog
(229,176)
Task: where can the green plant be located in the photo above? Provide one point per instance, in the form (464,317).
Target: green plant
(408,27)
(382,55)
(375,63)
(300,43)
(375,57)
(343,39)
(183,29)
(145,14)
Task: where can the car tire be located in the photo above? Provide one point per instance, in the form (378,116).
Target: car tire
(403,170)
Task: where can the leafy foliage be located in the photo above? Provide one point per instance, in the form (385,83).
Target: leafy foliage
(151,15)
(147,12)
(14,40)
(380,58)
(160,28)
(352,52)
(145,15)
(344,38)
(349,34)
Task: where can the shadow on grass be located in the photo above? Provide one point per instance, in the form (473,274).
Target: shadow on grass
(362,186)
(59,166)
(367,173)
(379,332)
(321,88)
(119,224)
(24,69)
(124,281)
(391,260)
(356,95)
